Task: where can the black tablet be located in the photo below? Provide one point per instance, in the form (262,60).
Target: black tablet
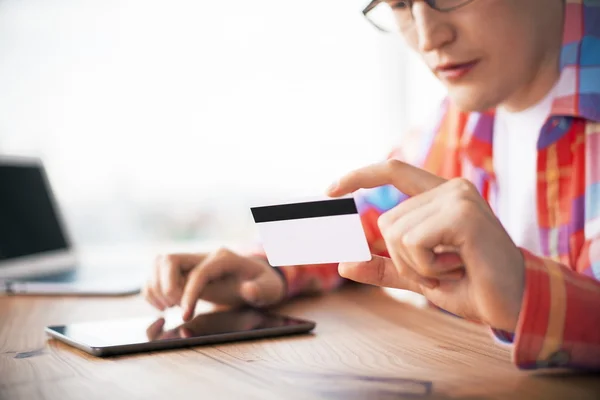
(113,337)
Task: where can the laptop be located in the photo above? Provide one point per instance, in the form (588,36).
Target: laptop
(36,254)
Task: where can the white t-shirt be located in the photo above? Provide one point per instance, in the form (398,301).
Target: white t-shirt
(515,166)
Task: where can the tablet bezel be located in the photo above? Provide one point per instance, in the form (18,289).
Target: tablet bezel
(95,346)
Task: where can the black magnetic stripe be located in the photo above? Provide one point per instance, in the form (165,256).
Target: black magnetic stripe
(313,209)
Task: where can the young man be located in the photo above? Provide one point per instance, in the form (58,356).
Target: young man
(502,223)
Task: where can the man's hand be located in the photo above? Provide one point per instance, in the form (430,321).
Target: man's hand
(222,277)
(441,215)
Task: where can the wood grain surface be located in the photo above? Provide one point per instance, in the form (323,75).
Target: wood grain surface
(367,345)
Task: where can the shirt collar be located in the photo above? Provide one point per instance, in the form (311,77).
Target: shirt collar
(577,93)
(578,88)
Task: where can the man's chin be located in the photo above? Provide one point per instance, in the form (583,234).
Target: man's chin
(471,100)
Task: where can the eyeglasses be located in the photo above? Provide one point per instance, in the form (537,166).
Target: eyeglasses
(389,15)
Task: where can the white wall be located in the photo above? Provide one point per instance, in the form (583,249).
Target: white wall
(164,119)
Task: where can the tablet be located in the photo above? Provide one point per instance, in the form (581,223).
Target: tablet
(114,337)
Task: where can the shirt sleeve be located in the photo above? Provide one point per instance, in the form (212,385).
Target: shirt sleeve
(559,324)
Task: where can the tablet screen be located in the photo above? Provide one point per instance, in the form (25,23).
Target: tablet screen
(144,330)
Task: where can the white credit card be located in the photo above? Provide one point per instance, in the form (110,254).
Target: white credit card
(318,231)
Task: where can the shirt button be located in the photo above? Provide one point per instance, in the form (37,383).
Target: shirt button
(559,359)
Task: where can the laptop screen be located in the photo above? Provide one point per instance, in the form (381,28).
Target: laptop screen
(28,219)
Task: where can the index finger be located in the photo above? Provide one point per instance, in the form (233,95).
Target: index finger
(172,269)
(407,178)
(216,265)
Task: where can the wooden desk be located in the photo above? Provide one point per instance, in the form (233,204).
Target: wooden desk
(366,345)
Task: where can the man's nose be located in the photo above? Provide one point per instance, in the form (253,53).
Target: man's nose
(432,28)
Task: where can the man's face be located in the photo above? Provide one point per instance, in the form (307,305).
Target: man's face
(490,52)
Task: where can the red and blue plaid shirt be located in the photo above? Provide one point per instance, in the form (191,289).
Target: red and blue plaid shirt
(559,323)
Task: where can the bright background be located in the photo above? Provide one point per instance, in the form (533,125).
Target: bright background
(163,120)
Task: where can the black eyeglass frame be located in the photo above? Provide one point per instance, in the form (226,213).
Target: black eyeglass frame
(430,3)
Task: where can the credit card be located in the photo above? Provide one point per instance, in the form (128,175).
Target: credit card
(319,231)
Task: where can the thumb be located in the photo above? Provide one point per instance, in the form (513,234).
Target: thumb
(379,271)
(265,290)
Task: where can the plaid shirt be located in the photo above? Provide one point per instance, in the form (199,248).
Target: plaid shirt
(559,323)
